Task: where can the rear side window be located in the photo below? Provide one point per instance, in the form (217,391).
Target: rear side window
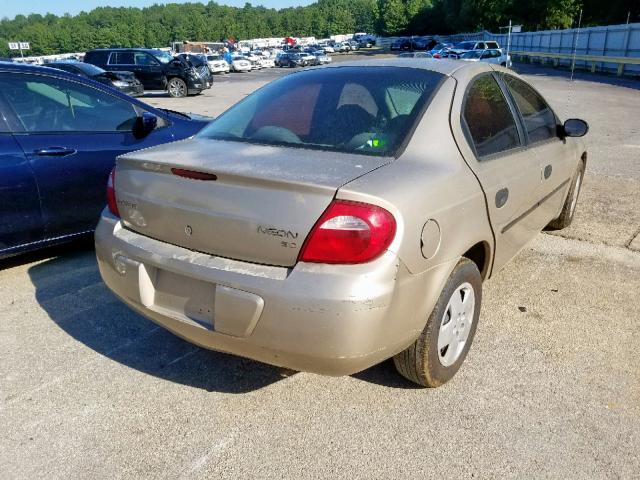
(492,45)
(46,104)
(142,58)
(97,58)
(539,119)
(489,121)
(121,58)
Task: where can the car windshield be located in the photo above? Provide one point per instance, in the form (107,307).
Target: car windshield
(473,54)
(162,57)
(211,58)
(363,110)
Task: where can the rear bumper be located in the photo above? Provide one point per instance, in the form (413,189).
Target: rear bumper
(332,320)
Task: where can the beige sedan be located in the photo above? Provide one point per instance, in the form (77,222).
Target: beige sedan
(343,215)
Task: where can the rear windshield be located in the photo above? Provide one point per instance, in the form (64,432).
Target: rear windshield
(367,110)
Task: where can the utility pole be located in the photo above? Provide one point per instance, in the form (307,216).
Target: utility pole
(509,41)
(575,46)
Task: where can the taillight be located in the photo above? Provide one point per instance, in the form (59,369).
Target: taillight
(111,193)
(349,232)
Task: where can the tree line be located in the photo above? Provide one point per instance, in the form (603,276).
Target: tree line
(159,25)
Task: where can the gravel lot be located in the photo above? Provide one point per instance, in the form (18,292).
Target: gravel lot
(551,387)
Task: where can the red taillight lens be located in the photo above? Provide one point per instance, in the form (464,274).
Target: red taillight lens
(437,55)
(111,193)
(349,232)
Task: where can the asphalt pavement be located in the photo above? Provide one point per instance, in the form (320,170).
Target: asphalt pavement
(550,389)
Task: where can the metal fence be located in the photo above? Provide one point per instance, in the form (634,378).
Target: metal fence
(608,41)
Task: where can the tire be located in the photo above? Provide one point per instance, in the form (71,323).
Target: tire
(569,207)
(177,88)
(425,362)
(503,64)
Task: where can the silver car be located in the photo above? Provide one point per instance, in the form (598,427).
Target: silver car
(343,215)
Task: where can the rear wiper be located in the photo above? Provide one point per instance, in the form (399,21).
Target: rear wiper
(176,113)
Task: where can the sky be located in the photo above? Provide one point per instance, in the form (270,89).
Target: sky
(11,8)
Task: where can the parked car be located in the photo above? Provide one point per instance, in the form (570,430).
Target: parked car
(199,62)
(321,57)
(292,60)
(308,59)
(402,44)
(60,135)
(126,82)
(364,40)
(439,50)
(463,47)
(327,48)
(341,47)
(238,63)
(355,227)
(266,62)
(489,56)
(156,69)
(422,43)
(254,60)
(217,64)
(415,55)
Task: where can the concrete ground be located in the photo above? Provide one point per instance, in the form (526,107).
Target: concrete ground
(551,387)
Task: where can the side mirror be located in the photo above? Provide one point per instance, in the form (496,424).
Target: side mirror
(144,125)
(574,127)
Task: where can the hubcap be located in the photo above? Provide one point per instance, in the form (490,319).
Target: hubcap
(177,88)
(456,324)
(576,190)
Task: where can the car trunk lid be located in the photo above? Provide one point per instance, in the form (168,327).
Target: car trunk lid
(248,202)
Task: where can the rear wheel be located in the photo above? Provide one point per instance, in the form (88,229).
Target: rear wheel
(435,357)
(177,88)
(569,208)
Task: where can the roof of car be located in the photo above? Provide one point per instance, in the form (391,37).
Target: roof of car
(30,68)
(443,66)
(115,49)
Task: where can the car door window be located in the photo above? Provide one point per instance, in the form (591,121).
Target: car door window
(47,104)
(489,122)
(144,59)
(539,120)
(121,58)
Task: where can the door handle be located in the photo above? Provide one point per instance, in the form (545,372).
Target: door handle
(54,152)
(501,197)
(547,171)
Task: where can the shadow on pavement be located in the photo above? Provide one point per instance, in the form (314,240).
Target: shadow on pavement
(81,244)
(70,290)
(386,375)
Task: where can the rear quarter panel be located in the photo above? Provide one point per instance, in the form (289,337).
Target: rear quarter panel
(429,181)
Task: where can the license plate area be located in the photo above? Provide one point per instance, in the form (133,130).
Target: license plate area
(178,296)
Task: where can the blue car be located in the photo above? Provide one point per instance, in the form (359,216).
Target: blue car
(59,136)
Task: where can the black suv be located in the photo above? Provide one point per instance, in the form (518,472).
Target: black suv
(156,70)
